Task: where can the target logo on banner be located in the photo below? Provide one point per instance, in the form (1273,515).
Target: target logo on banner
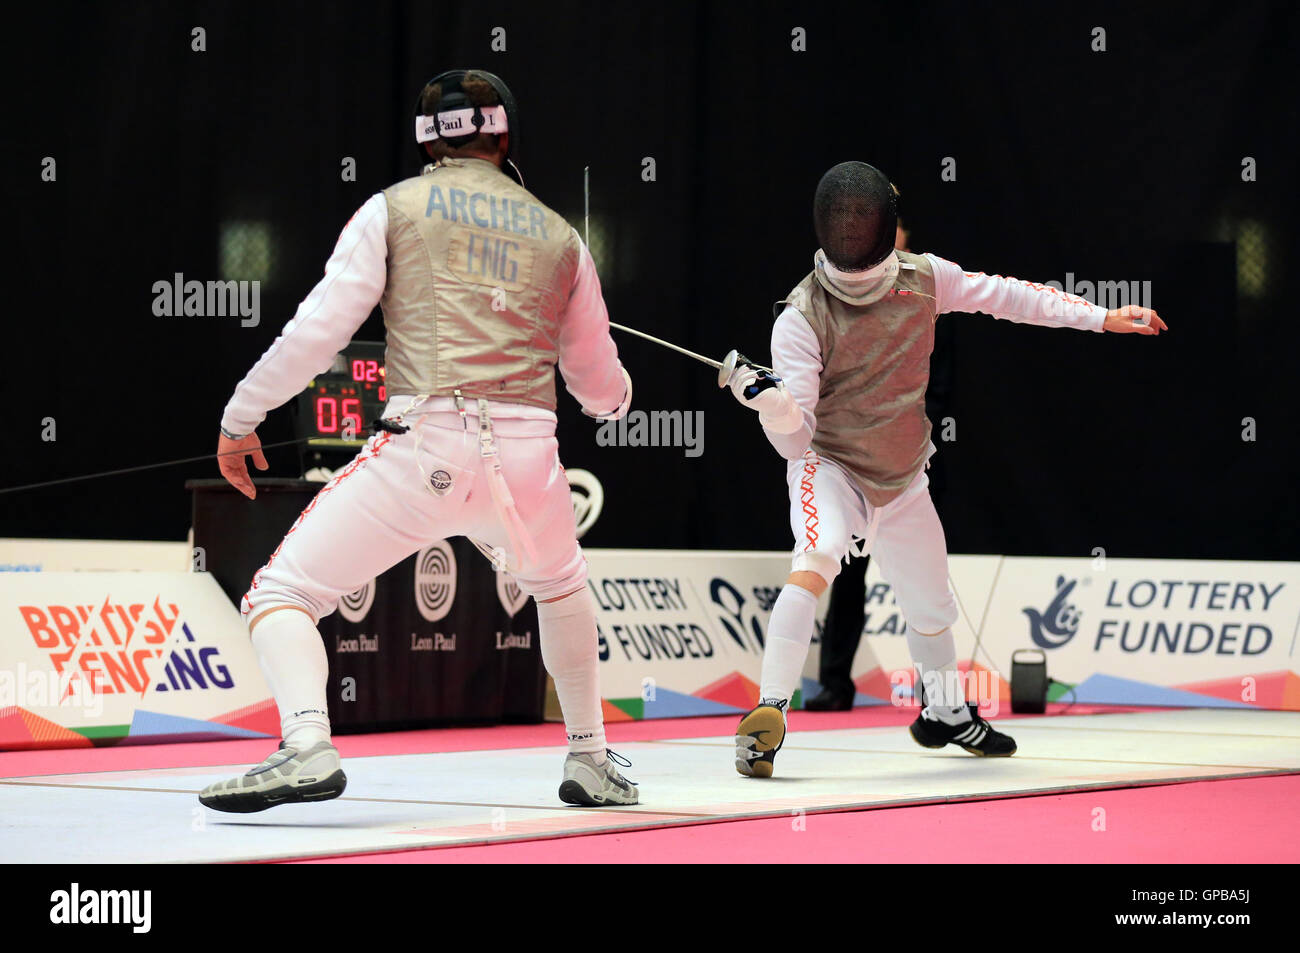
(355,605)
(435,581)
(511,596)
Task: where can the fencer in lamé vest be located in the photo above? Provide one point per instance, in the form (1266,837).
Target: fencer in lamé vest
(876,365)
(460,235)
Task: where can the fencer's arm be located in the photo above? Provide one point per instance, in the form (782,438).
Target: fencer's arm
(324,323)
(588,357)
(797,360)
(1011,299)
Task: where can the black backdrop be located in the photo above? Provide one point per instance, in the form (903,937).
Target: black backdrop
(1118,165)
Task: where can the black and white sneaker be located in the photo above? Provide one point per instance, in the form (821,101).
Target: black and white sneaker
(976,736)
(759,737)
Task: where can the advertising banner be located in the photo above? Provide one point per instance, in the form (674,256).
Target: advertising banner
(682,632)
(1154,631)
(107,657)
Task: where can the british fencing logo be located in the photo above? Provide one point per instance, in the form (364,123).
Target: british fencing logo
(441,482)
(1058,623)
(435,581)
(118,648)
(356,605)
(508,591)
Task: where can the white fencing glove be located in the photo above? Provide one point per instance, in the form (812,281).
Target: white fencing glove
(766,393)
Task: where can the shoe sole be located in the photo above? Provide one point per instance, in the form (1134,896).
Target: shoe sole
(766,727)
(571,792)
(251,802)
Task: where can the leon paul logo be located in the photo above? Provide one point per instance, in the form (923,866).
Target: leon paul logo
(1057,624)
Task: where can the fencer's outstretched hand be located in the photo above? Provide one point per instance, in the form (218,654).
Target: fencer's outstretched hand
(1132,319)
(233,467)
(766,393)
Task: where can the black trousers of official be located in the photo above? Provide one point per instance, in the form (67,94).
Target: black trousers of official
(842,632)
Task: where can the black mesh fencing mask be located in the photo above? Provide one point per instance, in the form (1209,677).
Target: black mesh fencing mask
(855,214)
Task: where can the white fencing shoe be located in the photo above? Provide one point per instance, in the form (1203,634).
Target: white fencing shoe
(596,785)
(287,776)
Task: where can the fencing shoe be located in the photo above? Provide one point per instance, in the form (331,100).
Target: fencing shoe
(976,736)
(596,785)
(759,737)
(287,776)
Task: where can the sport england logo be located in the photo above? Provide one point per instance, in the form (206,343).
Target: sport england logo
(1058,623)
(435,581)
(356,605)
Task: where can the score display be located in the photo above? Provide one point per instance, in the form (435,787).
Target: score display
(337,407)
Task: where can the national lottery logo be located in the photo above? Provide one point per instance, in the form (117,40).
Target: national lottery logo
(1058,623)
(441,481)
(355,606)
(435,581)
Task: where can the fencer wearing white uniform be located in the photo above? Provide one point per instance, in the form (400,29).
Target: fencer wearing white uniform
(484,292)
(846,408)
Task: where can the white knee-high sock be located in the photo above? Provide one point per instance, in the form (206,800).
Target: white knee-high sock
(292,655)
(788,636)
(570,653)
(935,658)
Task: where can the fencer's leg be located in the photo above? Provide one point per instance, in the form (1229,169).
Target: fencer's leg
(292,657)
(306,767)
(566,617)
(356,527)
(913,556)
(825,513)
(789,634)
(570,653)
(761,732)
(934,656)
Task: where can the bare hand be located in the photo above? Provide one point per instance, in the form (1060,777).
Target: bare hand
(231,461)
(1132,319)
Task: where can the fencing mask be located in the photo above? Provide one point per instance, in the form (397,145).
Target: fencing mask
(855,214)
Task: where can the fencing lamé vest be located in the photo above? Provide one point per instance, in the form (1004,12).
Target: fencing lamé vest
(875,368)
(479,273)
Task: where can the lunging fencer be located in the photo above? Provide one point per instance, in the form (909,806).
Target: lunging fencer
(484,290)
(845,406)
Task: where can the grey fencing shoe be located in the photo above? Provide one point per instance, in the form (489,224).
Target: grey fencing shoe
(287,776)
(596,785)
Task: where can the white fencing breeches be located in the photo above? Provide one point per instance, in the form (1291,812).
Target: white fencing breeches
(378,510)
(828,511)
